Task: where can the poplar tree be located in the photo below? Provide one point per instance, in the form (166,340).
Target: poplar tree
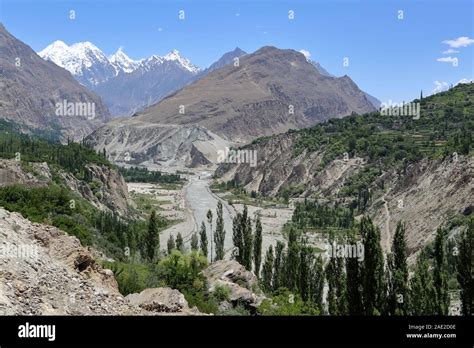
(179,242)
(219,235)
(440,272)
(292,260)
(278,266)
(373,291)
(152,240)
(398,274)
(354,283)
(209,220)
(171,244)
(237,238)
(317,283)
(247,239)
(423,292)
(267,270)
(304,274)
(465,269)
(194,242)
(257,246)
(203,238)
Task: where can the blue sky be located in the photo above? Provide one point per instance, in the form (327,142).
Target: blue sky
(390,58)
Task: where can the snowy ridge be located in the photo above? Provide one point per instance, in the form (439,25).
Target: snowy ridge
(91,66)
(124,63)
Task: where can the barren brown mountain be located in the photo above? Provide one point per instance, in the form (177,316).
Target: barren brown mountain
(30,88)
(271,91)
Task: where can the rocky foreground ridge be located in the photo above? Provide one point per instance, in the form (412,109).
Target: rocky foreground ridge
(43,271)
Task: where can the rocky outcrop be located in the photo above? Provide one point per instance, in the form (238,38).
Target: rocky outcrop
(43,271)
(162,300)
(425,195)
(243,284)
(106,190)
(15,172)
(140,143)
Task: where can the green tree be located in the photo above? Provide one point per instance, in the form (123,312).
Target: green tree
(440,272)
(423,292)
(257,246)
(209,220)
(179,242)
(152,240)
(278,266)
(247,239)
(267,270)
(194,242)
(237,238)
(171,245)
(293,257)
(398,274)
(336,280)
(317,283)
(373,268)
(203,237)
(465,269)
(304,274)
(354,282)
(219,235)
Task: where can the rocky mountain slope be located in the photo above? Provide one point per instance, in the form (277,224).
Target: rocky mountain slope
(389,160)
(31,88)
(154,79)
(272,90)
(43,271)
(109,192)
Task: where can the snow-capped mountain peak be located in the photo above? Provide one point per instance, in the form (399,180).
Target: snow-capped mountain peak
(91,67)
(79,59)
(184,62)
(122,62)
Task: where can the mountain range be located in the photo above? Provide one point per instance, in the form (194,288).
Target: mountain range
(31,90)
(125,85)
(269,91)
(128,86)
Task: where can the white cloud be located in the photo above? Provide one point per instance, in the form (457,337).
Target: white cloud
(306,53)
(450,51)
(462,41)
(441,86)
(448,59)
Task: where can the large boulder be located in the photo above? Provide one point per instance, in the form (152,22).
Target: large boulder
(161,300)
(243,284)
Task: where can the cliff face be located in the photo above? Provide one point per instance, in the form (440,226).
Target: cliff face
(43,271)
(106,191)
(424,195)
(132,142)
